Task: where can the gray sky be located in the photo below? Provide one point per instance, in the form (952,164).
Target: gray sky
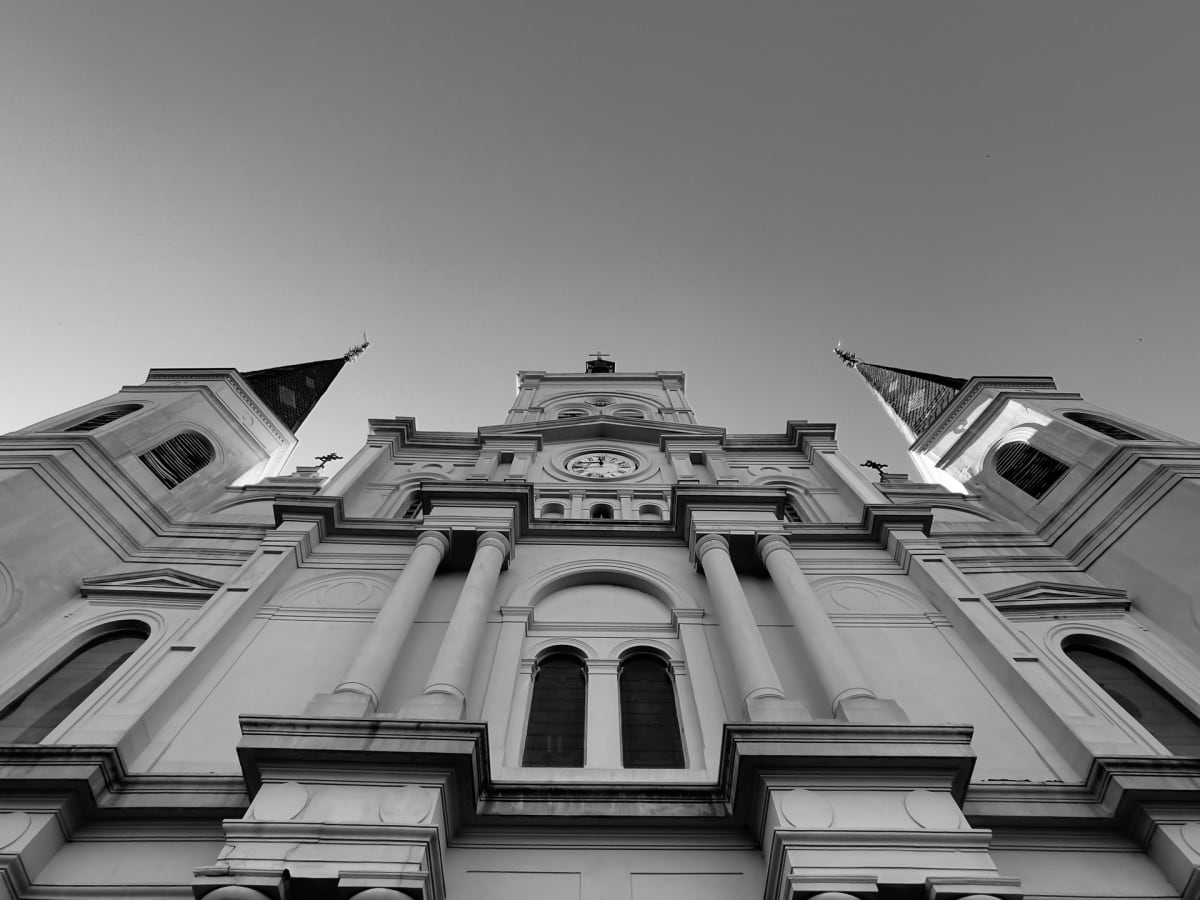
(724,188)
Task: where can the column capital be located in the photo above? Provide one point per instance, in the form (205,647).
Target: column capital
(771,543)
(434,539)
(494,539)
(711,542)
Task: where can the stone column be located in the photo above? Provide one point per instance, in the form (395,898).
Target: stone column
(365,678)
(842,682)
(759,690)
(445,693)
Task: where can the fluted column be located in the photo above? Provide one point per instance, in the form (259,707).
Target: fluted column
(445,692)
(842,682)
(361,687)
(759,688)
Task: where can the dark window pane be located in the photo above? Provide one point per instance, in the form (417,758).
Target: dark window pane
(1029,468)
(1105,427)
(557,714)
(38,711)
(602,511)
(650,737)
(103,418)
(178,458)
(1154,709)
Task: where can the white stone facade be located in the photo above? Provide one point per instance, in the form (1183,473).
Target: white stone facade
(331,691)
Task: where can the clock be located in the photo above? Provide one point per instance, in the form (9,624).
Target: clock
(601,464)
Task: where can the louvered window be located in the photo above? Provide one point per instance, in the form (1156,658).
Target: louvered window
(557,713)
(650,737)
(1028,468)
(178,458)
(37,712)
(1153,708)
(1105,427)
(105,417)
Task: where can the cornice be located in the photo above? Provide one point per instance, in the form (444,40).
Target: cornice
(233,378)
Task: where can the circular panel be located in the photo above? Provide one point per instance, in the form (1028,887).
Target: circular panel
(806,810)
(408,806)
(857,598)
(279,802)
(12,826)
(933,809)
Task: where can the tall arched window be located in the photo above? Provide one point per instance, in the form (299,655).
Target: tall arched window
(557,712)
(650,736)
(1028,468)
(177,459)
(40,709)
(102,418)
(1154,709)
(1105,427)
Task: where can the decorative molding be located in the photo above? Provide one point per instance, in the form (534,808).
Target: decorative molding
(1051,597)
(152,584)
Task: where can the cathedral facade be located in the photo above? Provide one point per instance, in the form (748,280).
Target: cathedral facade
(600,651)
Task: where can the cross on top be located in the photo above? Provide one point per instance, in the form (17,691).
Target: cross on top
(599,364)
(598,354)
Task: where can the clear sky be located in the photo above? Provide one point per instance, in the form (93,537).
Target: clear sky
(1001,188)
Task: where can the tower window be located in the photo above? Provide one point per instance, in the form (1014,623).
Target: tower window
(572,414)
(648,512)
(558,713)
(1105,427)
(553,511)
(412,509)
(37,712)
(1028,468)
(602,511)
(650,736)
(105,417)
(1152,707)
(177,459)
(790,514)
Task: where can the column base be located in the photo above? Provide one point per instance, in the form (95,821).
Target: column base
(870,711)
(776,709)
(340,704)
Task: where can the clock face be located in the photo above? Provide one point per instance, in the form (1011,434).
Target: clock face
(601,464)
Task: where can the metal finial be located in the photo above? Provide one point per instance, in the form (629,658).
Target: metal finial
(877,466)
(327,458)
(845,356)
(356,351)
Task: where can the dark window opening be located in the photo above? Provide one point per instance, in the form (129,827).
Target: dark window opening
(105,417)
(557,713)
(37,712)
(1028,468)
(571,414)
(1105,427)
(602,511)
(650,737)
(790,514)
(178,458)
(1175,726)
(412,509)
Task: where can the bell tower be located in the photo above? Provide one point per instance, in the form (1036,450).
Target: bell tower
(1117,497)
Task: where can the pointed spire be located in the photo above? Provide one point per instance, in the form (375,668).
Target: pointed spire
(913,399)
(292,391)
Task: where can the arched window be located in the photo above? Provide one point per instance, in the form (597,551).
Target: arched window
(1028,468)
(102,418)
(1153,708)
(178,458)
(1105,427)
(557,712)
(40,709)
(572,414)
(650,736)
(629,413)
(602,511)
(553,511)
(648,512)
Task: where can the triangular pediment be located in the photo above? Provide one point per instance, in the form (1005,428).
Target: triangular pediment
(1047,596)
(152,583)
(601,427)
